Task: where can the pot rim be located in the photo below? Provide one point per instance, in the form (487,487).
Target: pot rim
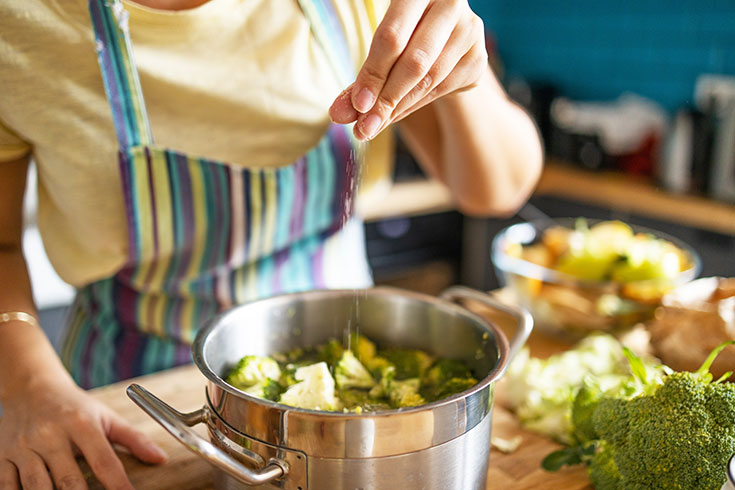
(496,373)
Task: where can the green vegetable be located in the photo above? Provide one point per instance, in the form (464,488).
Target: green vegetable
(251,370)
(658,429)
(350,373)
(269,389)
(363,348)
(331,352)
(409,363)
(354,379)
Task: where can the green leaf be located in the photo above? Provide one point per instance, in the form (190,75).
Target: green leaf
(704,369)
(567,456)
(636,366)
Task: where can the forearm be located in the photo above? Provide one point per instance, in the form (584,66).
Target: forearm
(479,143)
(26,355)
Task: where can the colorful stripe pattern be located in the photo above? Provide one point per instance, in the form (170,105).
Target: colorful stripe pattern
(203,235)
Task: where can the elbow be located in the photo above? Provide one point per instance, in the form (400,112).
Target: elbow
(503,197)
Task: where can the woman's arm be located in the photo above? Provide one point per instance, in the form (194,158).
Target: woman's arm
(482,145)
(427,67)
(45,415)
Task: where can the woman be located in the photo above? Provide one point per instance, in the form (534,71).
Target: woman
(157,240)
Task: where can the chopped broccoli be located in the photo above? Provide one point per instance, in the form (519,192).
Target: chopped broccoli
(363,348)
(444,370)
(269,389)
(409,363)
(446,378)
(450,387)
(315,389)
(405,393)
(349,373)
(377,364)
(663,432)
(331,352)
(355,400)
(251,370)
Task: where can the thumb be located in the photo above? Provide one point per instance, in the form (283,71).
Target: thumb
(140,445)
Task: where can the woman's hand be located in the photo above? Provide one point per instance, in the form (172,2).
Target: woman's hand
(422,50)
(43,427)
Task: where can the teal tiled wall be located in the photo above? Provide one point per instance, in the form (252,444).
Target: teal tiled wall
(598,49)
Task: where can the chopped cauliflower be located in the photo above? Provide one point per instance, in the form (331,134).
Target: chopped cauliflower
(315,389)
(350,373)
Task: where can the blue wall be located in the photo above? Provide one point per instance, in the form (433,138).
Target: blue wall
(598,49)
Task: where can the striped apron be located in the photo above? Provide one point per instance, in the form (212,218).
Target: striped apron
(205,235)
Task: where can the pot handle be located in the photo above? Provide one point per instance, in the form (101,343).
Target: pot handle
(177,424)
(522,316)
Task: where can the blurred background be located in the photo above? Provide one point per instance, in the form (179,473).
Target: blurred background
(635,101)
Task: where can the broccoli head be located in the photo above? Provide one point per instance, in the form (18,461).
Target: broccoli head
(251,370)
(314,390)
(350,373)
(409,363)
(359,401)
(661,432)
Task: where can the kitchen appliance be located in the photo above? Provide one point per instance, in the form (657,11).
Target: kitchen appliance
(442,445)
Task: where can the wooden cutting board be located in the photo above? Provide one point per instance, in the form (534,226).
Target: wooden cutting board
(183,388)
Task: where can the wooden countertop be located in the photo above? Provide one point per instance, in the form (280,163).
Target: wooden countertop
(183,388)
(618,191)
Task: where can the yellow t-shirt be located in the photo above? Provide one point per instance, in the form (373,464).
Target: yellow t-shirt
(241,81)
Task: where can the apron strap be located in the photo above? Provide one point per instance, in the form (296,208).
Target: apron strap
(119,73)
(330,34)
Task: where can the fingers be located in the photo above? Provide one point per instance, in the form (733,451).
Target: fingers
(103,461)
(64,468)
(459,44)
(8,476)
(389,41)
(342,111)
(32,471)
(414,63)
(463,75)
(121,432)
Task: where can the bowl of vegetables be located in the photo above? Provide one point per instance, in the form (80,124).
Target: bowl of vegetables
(344,389)
(578,275)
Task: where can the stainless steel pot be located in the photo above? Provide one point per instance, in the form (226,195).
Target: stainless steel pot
(441,445)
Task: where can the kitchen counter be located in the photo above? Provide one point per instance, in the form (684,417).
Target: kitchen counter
(183,388)
(614,190)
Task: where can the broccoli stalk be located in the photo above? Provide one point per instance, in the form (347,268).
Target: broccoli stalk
(673,431)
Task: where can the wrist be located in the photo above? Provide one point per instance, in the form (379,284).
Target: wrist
(27,361)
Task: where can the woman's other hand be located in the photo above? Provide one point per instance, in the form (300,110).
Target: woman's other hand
(51,420)
(422,50)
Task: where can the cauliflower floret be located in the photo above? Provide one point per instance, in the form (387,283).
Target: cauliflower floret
(350,373)
(314,391)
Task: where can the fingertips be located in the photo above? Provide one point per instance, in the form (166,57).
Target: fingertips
(342,110)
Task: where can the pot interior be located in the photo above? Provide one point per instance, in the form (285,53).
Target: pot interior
(389,317)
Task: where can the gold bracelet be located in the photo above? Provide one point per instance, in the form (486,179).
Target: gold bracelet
(19,316)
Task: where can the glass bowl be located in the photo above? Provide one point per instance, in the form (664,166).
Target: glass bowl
(569,307)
